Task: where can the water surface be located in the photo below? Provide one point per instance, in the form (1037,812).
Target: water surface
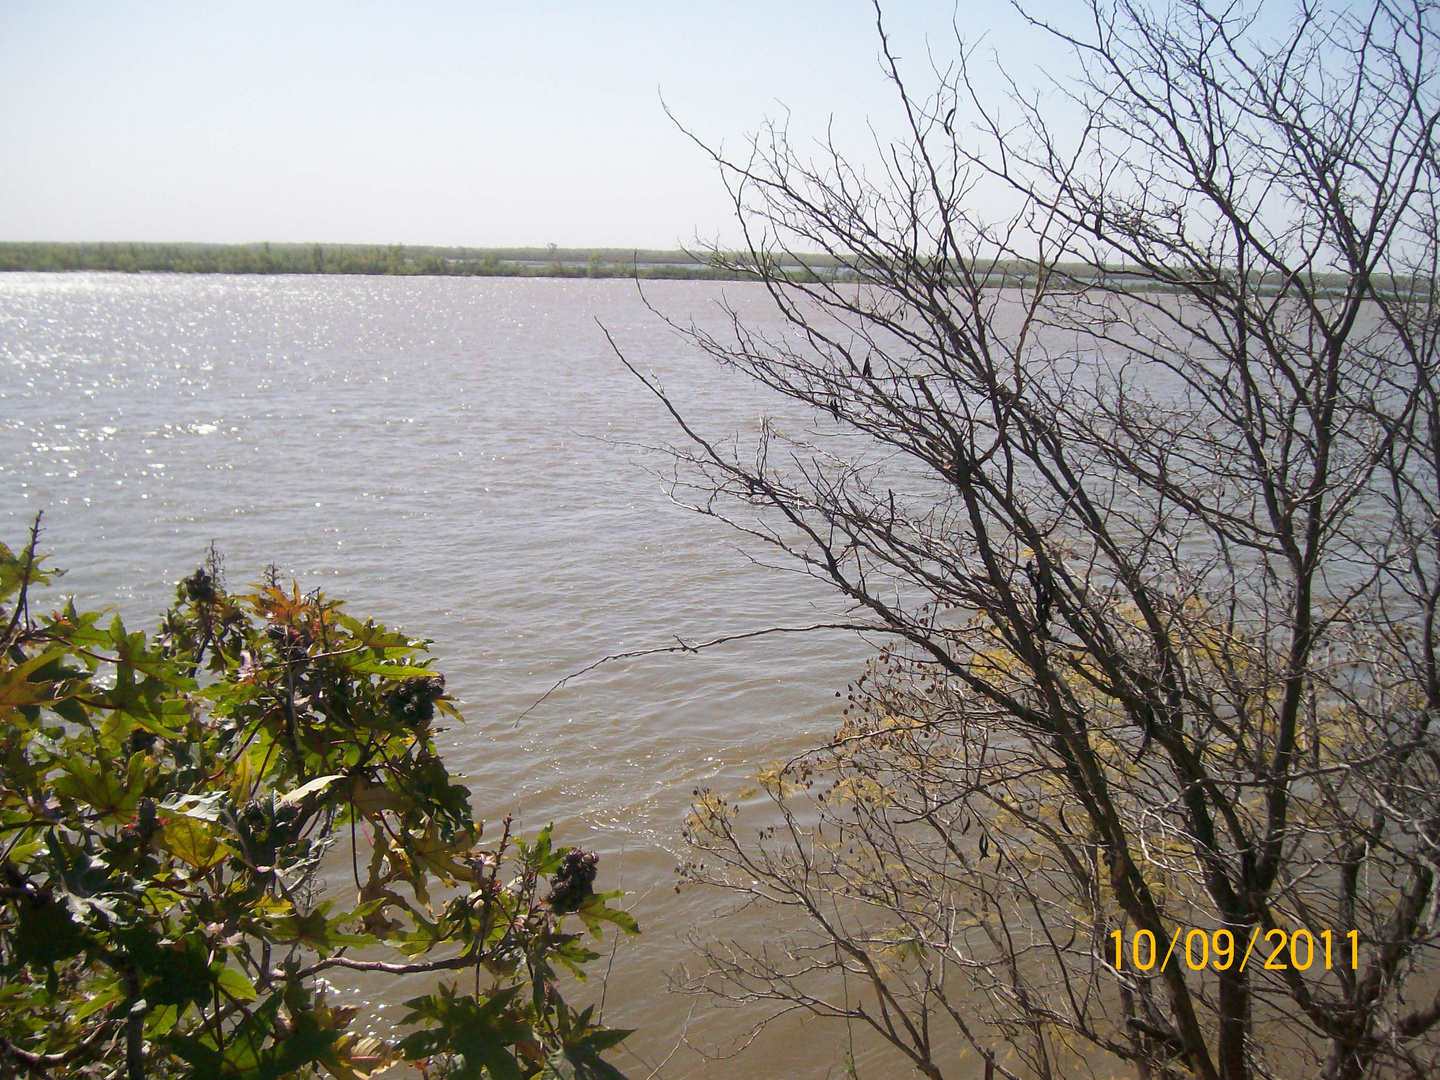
(464,459)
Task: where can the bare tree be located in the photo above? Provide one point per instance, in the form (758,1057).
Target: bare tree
(1143,483)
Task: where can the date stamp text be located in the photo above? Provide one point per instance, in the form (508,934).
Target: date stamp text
(1279,950)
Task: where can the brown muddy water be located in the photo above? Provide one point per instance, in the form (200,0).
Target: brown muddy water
(464,459)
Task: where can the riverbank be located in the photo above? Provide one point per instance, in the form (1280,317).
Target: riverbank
(399,260)
(396,260)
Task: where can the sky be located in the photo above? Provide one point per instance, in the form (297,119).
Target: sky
(480,124)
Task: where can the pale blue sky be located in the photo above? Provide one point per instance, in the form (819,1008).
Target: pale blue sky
(427,123)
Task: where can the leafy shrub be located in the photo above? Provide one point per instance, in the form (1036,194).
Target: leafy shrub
(171,808)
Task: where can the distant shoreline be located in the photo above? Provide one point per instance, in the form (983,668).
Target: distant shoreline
(399,260)
(369,259)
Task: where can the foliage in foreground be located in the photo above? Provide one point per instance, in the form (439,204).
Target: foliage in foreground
(167,804)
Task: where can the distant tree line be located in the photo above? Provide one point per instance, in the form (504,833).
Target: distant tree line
(394,259)
(713,264)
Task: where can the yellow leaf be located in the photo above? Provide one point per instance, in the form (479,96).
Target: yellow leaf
(192,842)
(370,799)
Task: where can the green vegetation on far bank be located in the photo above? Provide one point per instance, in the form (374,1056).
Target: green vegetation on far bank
(553,261)
(395,259)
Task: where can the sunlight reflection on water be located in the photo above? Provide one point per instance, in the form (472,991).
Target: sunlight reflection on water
(460,458)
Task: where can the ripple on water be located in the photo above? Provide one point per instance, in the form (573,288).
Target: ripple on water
(457,457)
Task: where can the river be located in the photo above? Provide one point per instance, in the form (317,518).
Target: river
(465,459)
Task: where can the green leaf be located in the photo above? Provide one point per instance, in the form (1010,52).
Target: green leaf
(480,1029)
(433,853)
(16,688)
(234,982)
(607,1039)
(174,972)
(14,571)
(95,785)
(101,999)
(374,636)
(243,1044)
(133,651)
(595,910)
(320,933)
(162,1021)
(541,855)
(391,670)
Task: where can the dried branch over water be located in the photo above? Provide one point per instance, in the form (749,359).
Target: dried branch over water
(1159,558)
